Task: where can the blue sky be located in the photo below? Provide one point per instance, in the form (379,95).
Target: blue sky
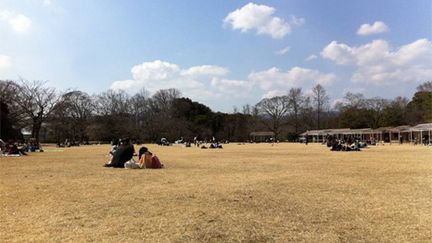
(221,53)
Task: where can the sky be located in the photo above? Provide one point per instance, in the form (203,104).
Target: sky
(221,53)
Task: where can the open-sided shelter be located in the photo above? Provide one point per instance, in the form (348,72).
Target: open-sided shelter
(261,136)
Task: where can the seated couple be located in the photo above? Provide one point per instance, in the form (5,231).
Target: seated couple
(146,160)
(122,157)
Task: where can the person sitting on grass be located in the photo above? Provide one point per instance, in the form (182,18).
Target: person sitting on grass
(114,144)
(132,164)
(147,160)
(2,146)
(123,154)
(12,149)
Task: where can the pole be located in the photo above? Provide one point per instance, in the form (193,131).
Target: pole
(429,138)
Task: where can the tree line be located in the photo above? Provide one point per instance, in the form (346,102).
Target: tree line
(53,116)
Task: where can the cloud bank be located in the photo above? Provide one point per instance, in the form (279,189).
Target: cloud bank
(5,62)
(261,19)
(19,23)
(209,81)
(196,81)
(376,62)
(376,28)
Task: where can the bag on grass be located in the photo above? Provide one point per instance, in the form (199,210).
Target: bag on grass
(131,164)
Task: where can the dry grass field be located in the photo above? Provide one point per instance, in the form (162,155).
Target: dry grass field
(250,193)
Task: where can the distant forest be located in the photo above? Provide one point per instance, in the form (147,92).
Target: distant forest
(53,116)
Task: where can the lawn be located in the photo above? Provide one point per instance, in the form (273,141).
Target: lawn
(251,193)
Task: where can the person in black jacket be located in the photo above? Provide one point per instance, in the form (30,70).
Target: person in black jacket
(123,154)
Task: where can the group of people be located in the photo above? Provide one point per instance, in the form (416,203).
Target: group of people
(69,143)
(13,148)
(214,144)
(350,144)
(122,154)
(164,142)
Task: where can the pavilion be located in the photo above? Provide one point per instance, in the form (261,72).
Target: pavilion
(420,133)
(261,136)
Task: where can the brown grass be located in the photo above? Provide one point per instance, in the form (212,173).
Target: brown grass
(251,193)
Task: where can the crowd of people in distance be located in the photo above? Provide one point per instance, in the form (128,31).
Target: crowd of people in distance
(199,143)
(69,143)
(214,144)
(350,144)
(164,142)
(123,151)
(14,148)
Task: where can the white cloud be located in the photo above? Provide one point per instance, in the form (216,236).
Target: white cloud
(260,18)
(162,75)
(283,51)
(5,14)
(376,28)
(47,3)
(54,6)
(206,83)
(230,86)
(338,102)
(5,62)
(378,63)
(308,93)
(205,70)
(155,71)
(127,85)
(295,77)
(339,53)
(18,22)
(273,93)
(311,57)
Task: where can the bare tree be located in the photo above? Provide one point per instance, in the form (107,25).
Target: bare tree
(78,108)
(112,103)
(140,109)
(376,106)
(159,122)
(37,102)
(425,87)
(273,112)
(11,119)
(113,116)
(8,89)
(295,101)
(355,100)
(162,99)
(320,100)
(247,109)
(235,110)
(395,113)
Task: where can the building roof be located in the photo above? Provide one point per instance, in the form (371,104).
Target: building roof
(346,131)
(422,127)
(400,128)
(361,131)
